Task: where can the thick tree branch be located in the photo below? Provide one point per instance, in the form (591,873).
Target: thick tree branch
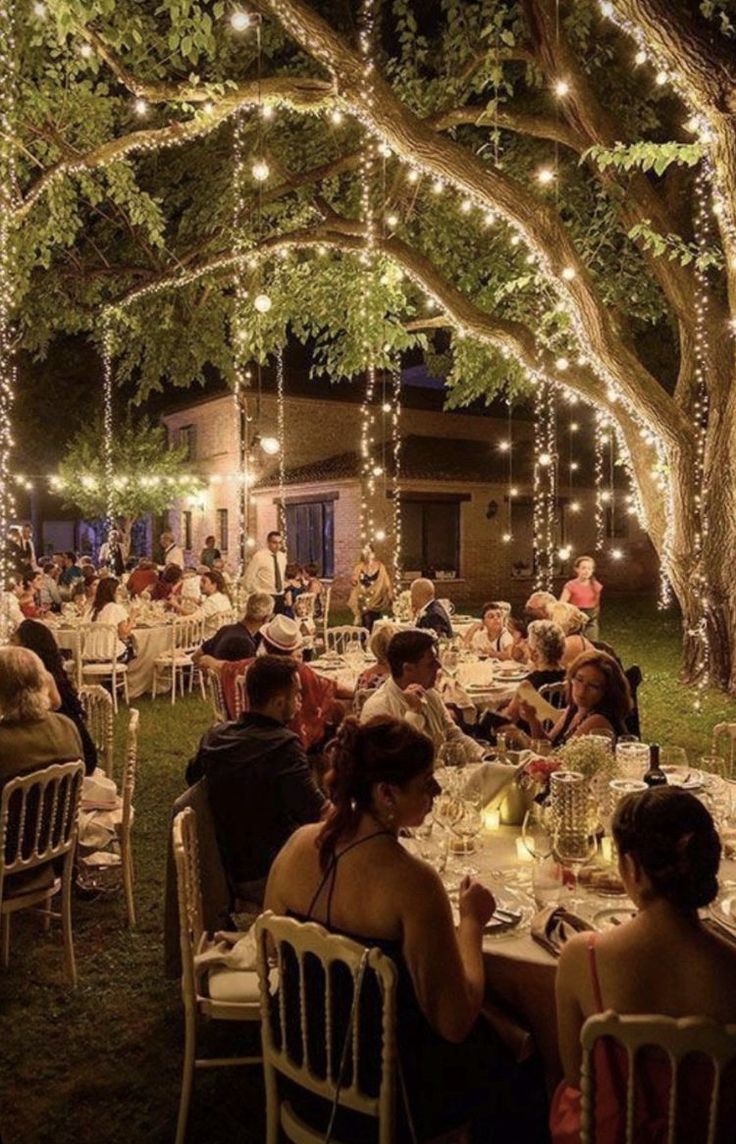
(524,123)
(539,223)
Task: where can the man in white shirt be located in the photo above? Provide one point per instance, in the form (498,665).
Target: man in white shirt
(409,693)
(266,571)
(173,554)
(215,601)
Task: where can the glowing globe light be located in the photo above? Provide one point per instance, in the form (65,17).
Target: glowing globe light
(270,446)
(262,303)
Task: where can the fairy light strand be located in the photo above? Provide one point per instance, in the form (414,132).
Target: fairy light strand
(396,489)
(368,260)
(107,435)
(8,144)
(281,432)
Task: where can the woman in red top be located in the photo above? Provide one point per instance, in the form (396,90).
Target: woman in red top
(585,593)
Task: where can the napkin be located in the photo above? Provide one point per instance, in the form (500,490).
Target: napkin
(233,950)
(542,709)
(490,779)
(554,925)
(456,696)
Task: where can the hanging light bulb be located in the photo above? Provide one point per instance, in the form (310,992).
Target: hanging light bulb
(562,363)
(412,175)
(392,220)
(565,553)
(545,459)
(438,187)
(568,273)
(616,554)
(262,303)
(85,51)
(466,206)
(140,107)
(266,111)
(545,176)
(379,534)
(504,446)
(513,491)
(240,21)
(574,506)
(386,407)
(562,88)
(506,538)
(384,150)
(660,79)
(260,170)
(336,116)
(640,57)
(270,446)
(377,471)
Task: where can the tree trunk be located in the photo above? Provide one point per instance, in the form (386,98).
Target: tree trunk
(126,529)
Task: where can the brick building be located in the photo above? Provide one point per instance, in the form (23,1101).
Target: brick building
(454,493)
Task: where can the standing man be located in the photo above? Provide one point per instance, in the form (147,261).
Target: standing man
(28,548)
(266,571)
(111,554)
(173,554)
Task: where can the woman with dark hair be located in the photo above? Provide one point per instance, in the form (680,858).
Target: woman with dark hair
(106,610)
(168,586)
(37,637)
(662,961)
(598,700)
(352,875)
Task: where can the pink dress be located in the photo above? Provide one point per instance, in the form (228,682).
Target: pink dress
(652,1093)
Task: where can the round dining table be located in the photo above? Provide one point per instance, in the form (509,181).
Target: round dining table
(150,642)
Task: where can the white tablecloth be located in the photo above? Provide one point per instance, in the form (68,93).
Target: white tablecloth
(149,643)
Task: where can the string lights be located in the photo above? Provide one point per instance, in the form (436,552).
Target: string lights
(281,430)
(598,470)
(396,485)
(507,447)
(8,146)
(107,429)
(545,486)
(368,260)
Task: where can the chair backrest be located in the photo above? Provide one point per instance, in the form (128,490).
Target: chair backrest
(241,699)
(307,601)
(326,598)
(38,817)
(554,693)
(305,1037)
(99,642)
(189,896)
(677,1038)
(224,618)
(345,638)
(98,709)
(724,736)
(216,697)
(130,769)
(186,633)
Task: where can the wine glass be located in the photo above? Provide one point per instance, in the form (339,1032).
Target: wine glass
(537,834)
(574,848)
(468,828)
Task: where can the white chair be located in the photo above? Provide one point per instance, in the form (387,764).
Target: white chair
(213,623)
(300,949)
(347,638)
(213,687)
(241,700)
(215,992)
(38,825)
(554,693)
(73,665)
(99,643)
(130,770)
(676,1038)
(727,732)
(98,709)
(326,600)
(184,639)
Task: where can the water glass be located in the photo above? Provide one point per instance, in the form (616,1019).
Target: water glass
(537,834)
(573,849)
(632,759)
(548,883)
(619,788)
(673,757)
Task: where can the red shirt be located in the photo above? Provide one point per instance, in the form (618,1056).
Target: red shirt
(584,593)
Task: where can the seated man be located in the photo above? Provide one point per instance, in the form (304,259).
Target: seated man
(319,708)
(428,612)
(258,780)
(215,600)
(240,640)
(409,693)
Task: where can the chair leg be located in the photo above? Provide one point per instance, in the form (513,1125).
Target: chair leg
(66,921)
(190,1042)
(128,883)
(201,684)
(272,1105)
(5,928)
(47,916)
(114,680)
(126,695)
(173,684)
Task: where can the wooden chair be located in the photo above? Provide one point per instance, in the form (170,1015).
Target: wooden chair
(213,687)
(184,639)
(99,644)
(38,826)
(725,732)
(215,992)
(98,709)
(676,1038)
(300,949)
(130,770)
(346,638)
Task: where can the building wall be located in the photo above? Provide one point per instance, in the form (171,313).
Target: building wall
(316,430)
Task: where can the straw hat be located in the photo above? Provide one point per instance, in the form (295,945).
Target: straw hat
(282,633)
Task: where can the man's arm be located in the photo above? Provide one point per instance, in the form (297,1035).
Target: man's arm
(301,796)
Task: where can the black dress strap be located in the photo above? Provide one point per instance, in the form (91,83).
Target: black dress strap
(331,871)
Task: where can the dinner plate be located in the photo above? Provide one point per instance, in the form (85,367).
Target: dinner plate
(724,910)
(686,778)
(612,916)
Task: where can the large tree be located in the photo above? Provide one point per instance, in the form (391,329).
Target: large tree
(574,239)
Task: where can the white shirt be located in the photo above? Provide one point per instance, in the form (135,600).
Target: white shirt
(482,642)
(259,575)
(112,614)
(212,608)
(434,718)
(11,610)
(174,555)
(191,588)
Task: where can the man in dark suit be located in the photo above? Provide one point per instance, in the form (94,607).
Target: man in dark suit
(428,612)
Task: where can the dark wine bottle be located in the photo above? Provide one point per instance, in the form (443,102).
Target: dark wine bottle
(655,776)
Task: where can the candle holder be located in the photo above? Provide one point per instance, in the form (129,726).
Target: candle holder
(568,800)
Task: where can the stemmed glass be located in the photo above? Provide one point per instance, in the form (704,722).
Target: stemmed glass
(574,848)
(537,832)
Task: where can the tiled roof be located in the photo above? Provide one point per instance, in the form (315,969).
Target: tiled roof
(422,458)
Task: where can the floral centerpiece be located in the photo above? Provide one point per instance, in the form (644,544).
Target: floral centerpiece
(589,755)
(402,606)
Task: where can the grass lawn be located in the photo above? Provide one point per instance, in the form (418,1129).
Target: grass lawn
(103,1063)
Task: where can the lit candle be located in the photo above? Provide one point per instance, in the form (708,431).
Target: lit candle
(522,853)
(607,849)
(491,819)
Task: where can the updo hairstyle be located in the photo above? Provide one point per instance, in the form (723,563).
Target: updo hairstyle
(671,835)
(382,750)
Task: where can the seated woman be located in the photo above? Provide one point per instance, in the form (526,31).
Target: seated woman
(573,623)
(546,646)
(489,636)
(519,634)
(379,671)
(62,694)
(352,875)
(142,578)
(106,610)
(30,597)
(599,700)
(31,735)
(669,853)
(293,587)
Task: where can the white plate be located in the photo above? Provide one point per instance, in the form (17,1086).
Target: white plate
(724,910)
(686,778)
